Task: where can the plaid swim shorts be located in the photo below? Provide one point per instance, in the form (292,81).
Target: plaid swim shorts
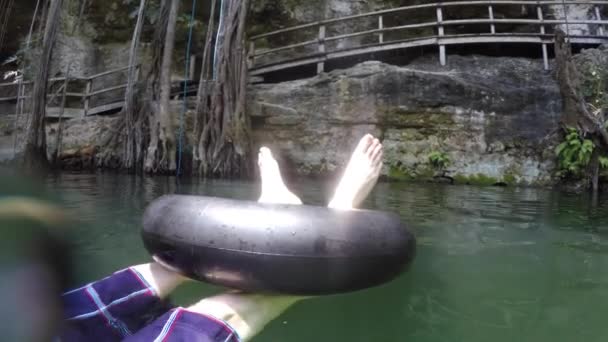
(124,307)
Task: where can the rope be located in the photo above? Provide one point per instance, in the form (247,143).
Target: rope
(181,120)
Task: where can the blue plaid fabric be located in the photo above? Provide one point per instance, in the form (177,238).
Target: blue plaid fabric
(117,308)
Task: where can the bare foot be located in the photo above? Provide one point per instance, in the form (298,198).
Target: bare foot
(360,175)
(273,187)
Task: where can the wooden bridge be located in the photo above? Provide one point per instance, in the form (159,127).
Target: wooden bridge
(84,91)
(82,96)
(315,46)
(333,40)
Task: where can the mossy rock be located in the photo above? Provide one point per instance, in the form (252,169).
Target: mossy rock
(399,174)
(509,179)
(477,179)
(396,117)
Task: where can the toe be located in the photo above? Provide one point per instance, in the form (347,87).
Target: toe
(372,148)
(376,154)
(365,143)
(265,151)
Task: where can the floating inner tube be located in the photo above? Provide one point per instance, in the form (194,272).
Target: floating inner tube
(276,248)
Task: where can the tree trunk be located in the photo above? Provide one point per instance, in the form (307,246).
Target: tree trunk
(35,147)
(224,141)
(131,156)
(21,86)
(203,92)
(162,148)
(575,113)
(59,137)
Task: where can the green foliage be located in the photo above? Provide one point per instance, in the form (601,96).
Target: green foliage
(595,86)
(604,162)
(574,154)
(439,160)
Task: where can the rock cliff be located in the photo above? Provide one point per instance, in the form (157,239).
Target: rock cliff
(491,116)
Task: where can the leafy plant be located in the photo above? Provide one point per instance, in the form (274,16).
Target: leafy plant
(574,154)
(594,86)
(439,160)
(604,162)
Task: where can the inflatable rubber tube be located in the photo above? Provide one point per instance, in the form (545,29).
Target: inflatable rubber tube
(276,248)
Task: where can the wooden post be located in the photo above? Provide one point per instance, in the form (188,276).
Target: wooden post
(539,12)
(137,70)
(600,27)
(20,89)
(87,97)
(192,67)
(442,59)
(491,16)
(321,65)
(251,54)
(380,27)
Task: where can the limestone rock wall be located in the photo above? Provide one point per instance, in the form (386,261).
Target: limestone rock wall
(491,116)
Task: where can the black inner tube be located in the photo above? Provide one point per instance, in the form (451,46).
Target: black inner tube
(276,248)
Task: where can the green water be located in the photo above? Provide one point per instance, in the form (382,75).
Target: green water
(493,264)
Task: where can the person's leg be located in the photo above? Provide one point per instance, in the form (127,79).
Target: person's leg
(119,305)
(237,316)
(160,279)
(360,175)
(273,188)
(248,314)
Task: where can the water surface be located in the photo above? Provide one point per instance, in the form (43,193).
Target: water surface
(493,264)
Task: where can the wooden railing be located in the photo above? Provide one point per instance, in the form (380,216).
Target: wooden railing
(86,93)
(317,49)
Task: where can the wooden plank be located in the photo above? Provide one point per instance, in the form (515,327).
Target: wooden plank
(14,83)
(587,40)
(535,38)
(251,54)
(489,39)
(69,94)
(105,90)
(519,21)
(286,65)
(600,28)
(56,79)
(53,112)
(539,14)
(355,34)
(491,16)
(12,98)
(380,27)
(113,71)
(106,108)
(422,6)
(442,58)
(427,41)
(285,30)
(192,67)
(380,31)
(286,47)
(321,65)
(87,97)
(9,98)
